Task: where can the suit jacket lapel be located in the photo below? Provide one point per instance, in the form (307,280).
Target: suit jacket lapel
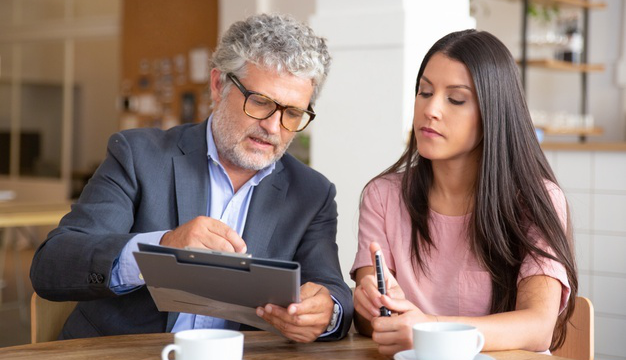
(191,180)
(262,218)
(191,174)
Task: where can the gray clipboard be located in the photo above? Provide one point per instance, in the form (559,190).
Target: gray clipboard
(222,277)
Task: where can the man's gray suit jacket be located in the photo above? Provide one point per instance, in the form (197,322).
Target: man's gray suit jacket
(156,180)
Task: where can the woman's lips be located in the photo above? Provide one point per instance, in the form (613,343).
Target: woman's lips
(428,132)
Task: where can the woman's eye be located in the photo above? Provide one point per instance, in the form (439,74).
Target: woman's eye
(425,94)
(456,102)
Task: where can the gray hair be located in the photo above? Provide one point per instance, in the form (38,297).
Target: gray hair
(276,42)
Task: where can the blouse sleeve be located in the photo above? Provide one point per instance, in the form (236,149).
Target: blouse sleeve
(372,214)
(539,265)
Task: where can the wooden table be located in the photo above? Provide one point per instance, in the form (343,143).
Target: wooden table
(258,345)
(18,214)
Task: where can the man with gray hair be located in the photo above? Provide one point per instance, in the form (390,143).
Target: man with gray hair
(225,184)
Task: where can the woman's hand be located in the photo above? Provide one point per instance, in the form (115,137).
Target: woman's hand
(367,298)
(392,333)
(395,333)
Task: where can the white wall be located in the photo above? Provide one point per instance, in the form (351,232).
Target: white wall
(234,10)
(594,185)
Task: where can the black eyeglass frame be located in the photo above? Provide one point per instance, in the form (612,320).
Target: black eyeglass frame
(246,93)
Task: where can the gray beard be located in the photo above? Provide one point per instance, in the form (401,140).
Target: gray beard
(229,142)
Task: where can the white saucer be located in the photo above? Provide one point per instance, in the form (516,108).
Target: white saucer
(410,355)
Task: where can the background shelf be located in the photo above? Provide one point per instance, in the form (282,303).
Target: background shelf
(565,65)
(578,131)
(577,3)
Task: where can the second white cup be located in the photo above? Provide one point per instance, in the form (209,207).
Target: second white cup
(446,341)
(205,344)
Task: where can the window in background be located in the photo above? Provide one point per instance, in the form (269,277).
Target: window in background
(31,115)
(48,48)
(40,117)
(96,8)
(5,106)
(95,116)
(36,11)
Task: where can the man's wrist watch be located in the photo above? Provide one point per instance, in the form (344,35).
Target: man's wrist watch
(334,318)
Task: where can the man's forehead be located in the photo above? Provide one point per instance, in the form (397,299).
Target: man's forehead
(282,86)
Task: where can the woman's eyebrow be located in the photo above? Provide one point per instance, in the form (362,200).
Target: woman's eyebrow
(460,86)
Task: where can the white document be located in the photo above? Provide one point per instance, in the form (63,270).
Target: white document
(173,300)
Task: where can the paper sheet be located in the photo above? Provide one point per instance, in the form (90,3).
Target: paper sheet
(173,300)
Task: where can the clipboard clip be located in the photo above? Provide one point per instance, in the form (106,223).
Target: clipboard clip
(215,252)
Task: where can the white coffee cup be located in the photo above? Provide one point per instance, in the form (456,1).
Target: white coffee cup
(446,341)
(206,344)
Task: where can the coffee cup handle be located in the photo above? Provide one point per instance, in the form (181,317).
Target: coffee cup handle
(166,351)
(481,342)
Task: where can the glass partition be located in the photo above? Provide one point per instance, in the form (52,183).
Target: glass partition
(36,11)
(58,86)
(96,8)
(6,11)
(5,107)
(41,109)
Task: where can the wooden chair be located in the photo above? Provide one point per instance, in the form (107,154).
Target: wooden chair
(580,334)
(47,318)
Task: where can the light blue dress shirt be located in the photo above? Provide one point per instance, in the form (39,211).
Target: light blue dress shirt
(224,204)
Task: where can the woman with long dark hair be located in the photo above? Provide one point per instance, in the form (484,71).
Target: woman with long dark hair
(470,220)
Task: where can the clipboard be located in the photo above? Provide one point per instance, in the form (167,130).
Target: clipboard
(225,285)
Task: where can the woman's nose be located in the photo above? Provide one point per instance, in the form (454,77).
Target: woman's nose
(432,108)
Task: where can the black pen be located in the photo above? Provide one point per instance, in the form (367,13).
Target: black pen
(381,281)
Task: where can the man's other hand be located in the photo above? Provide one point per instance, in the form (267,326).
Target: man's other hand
(305,321)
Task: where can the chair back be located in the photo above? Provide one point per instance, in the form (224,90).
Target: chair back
(47,318)
(579,340)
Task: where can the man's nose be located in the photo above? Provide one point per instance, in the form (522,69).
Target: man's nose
(272,123)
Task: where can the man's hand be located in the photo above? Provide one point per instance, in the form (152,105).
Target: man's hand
(303,322)
(205,232)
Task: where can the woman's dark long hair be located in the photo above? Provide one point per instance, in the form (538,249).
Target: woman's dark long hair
(510,194)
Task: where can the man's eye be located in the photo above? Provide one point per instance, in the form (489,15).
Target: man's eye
(259,100)
(294,113)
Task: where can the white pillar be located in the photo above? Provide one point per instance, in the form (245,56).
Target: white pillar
(235,10)
(366,107)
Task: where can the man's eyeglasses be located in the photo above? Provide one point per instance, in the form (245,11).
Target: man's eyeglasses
(260,107)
